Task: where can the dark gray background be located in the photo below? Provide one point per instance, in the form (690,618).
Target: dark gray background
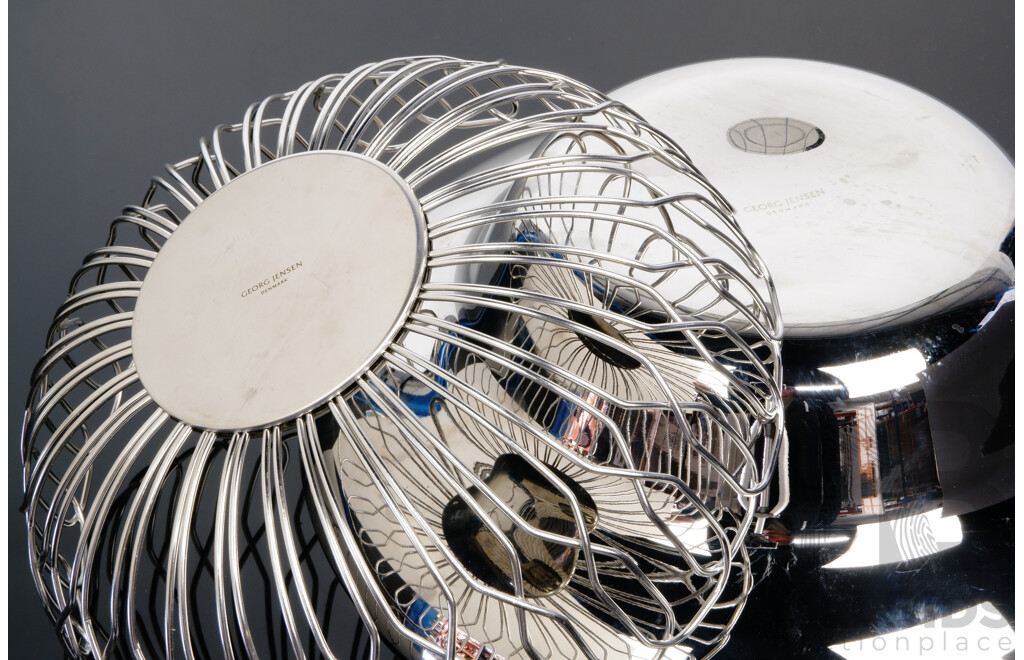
(103,94)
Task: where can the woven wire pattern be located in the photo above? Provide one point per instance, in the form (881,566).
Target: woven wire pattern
(573,315)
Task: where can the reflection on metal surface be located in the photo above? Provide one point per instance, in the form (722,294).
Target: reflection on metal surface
(821,539)
(881,374)
(896,447)
(547,566)
(900,539)
(775,136)
(886,459)
(882,283)
(585,385)
(893,236)
(971,391)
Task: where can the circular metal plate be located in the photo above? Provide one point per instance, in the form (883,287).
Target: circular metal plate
(279,290)
(902,198)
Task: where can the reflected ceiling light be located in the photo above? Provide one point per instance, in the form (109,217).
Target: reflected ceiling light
(877,375)
(902,539)
(823,539)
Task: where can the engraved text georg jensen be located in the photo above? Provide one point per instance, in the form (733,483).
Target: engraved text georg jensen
(272,281)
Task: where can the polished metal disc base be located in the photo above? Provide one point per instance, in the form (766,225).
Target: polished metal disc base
(279,290)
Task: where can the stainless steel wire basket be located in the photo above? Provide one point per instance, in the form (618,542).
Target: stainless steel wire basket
(426,333)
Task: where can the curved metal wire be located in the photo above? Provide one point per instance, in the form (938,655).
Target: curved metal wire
(617,343)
